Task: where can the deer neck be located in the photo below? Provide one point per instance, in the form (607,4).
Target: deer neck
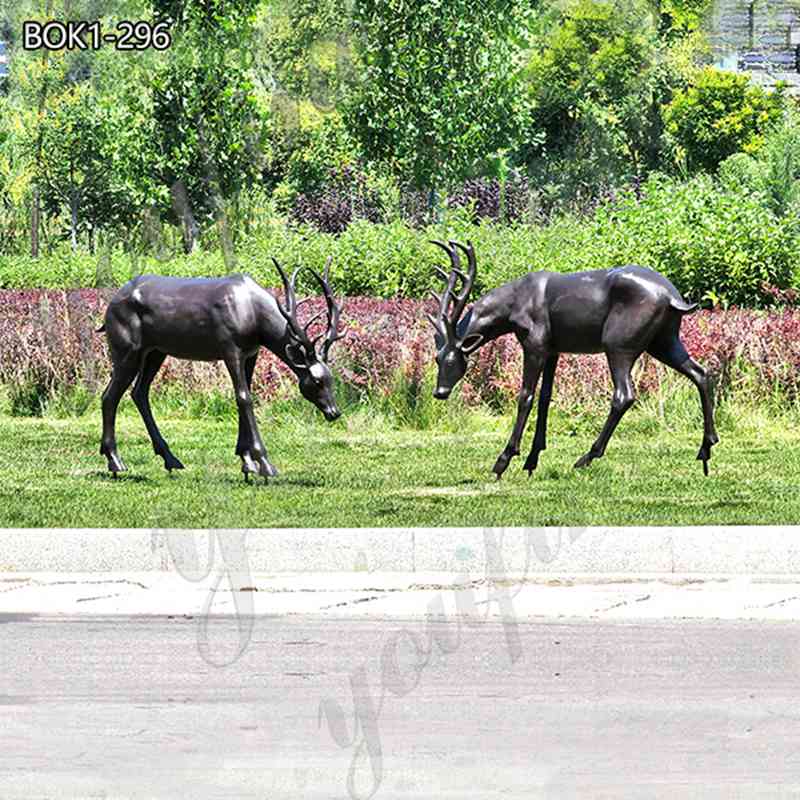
(487,318)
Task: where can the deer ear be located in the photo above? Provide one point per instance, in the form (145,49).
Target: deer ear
(295,356)
(471,343)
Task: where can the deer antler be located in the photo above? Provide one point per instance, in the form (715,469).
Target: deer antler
(334,311)
(447,320)
(289,311)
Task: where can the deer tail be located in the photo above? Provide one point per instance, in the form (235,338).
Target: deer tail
(682,307)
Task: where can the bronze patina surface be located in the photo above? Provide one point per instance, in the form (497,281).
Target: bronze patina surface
(220,319)
(622,312)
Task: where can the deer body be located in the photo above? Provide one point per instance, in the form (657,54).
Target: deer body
(198,319)
(205,319)
(577,313)
(622,312)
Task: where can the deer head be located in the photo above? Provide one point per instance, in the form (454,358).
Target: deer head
(311,367)
(453,341)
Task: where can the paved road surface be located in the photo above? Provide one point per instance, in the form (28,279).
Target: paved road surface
(131,707)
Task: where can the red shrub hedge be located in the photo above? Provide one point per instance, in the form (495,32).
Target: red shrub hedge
(48,338)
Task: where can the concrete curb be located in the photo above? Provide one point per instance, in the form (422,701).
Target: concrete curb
(402,596)
(494,551)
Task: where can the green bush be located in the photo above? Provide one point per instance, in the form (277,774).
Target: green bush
(773,172)
(324,146)
(720,114)
(713,241)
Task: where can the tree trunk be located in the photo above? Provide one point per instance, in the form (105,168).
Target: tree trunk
(183,209)
(36,212)
(35,224)
(433,205)
(73,220)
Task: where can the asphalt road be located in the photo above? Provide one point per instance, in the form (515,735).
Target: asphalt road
(132,707)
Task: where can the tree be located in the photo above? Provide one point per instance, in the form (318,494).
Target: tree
(304,61)
(680,18)
(436,89)
(93,150)
(71,168)
(208,124)
(720,114)
(304,50)
(73,133)
(593,88)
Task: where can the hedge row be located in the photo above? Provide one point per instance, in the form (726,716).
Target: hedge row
(712,242)
(52,346)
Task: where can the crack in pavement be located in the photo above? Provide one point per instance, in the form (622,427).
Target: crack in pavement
(90,583)
(413,587)
(99,597)
(781,602)
(20,584)
(351,602)
(624,603)
(26,583)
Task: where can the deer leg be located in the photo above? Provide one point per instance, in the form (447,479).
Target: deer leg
(249,367)
(124,371)
(249,447)
(699,377)
(675,356)
(530,377)
(620,365)
(141,396)
(545,395)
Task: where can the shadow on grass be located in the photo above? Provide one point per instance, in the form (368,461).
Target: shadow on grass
(305,483)
(124,477)
(281,481)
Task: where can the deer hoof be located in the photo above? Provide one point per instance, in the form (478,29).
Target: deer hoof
(116,464)
(584,461)
(531,462)
(705,454)
(249,465)
(171,463)
(267,469)
(503,460)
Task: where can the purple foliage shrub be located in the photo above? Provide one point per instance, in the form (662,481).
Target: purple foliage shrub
(489,200)
(344,197)
(482,195)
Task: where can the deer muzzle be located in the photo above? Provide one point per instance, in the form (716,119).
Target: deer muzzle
(331,413)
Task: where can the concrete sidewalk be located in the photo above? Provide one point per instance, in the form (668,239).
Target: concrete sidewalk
(402,596)
(533,573)
(752,551)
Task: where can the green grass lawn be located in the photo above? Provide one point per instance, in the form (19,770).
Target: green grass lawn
(361,471)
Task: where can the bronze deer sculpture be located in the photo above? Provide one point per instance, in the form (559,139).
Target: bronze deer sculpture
(622,312)
(200,319)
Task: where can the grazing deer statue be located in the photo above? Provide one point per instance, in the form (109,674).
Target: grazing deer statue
(200,319)
(622,312)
